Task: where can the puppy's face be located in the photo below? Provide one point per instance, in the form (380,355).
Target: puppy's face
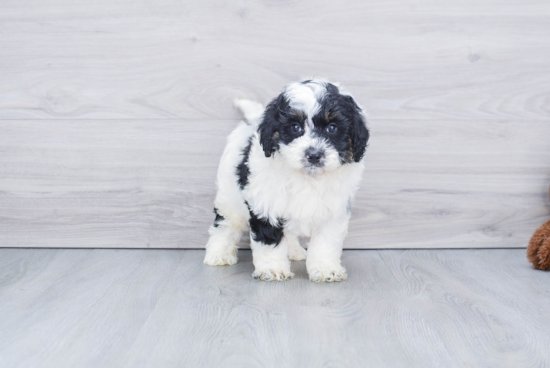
(314,128)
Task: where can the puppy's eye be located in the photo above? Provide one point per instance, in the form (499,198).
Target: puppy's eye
(296,128)
(331,129)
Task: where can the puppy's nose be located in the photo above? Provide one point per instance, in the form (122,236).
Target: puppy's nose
(314,155)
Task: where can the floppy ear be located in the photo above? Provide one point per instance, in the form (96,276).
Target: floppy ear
(270,122)
(358,131)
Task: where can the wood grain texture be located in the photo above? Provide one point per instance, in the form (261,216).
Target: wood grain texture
(151,308)
(113,114)
(131,183)
(402,59)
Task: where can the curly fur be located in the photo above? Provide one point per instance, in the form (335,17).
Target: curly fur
(538,250)
(291,170)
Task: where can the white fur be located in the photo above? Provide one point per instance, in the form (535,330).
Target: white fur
(314,201)
(252,110)
(305,97)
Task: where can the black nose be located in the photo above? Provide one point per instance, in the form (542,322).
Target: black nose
(314,155)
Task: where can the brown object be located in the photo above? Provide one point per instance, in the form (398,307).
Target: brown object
(538,250)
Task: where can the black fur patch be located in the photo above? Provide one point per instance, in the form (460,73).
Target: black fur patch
(219,218)
(242,169)
(352,135)
(263,232)
(275,117)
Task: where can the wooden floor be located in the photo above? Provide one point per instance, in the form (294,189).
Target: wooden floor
(164,308)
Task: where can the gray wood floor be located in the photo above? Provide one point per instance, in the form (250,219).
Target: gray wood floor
(113,114)
(164,308)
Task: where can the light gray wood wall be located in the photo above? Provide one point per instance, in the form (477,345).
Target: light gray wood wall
(113,114)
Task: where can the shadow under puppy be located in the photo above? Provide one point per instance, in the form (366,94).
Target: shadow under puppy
(291,170)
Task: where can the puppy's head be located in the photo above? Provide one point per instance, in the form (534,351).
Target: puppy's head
(314,127)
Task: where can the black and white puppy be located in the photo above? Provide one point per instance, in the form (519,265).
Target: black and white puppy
(291,171)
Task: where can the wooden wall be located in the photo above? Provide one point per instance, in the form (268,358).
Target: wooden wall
(113,114)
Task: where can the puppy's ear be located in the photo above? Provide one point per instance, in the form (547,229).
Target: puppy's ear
(359,134)
(268,129)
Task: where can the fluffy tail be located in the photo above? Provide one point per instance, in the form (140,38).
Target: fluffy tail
(251,110)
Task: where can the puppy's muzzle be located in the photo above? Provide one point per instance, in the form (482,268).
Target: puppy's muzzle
(314,156)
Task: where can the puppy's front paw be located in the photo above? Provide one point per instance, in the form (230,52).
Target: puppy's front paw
(220,258)
(273,275)
(334,274)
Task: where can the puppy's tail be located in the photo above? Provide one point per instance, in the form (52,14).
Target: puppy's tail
(251,110)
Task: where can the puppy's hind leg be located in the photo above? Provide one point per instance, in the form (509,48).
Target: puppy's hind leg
(295,250)
(221,248)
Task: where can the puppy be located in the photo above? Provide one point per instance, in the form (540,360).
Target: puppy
(292,170)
